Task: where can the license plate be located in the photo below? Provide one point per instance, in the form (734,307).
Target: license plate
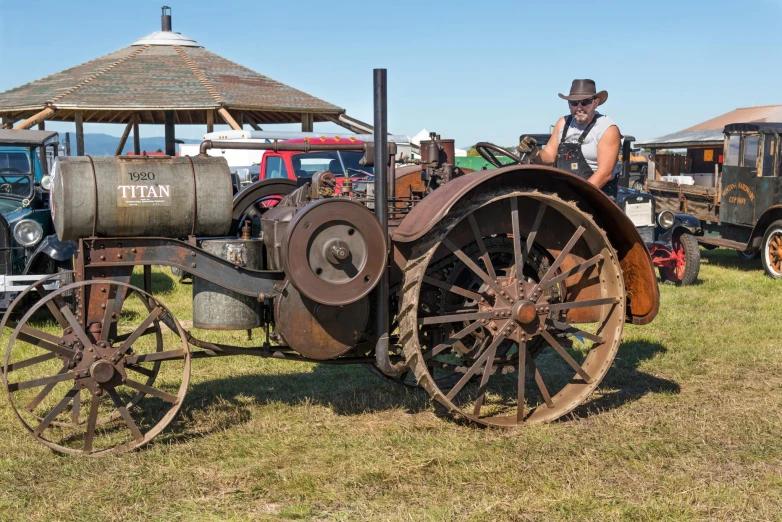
(640,213)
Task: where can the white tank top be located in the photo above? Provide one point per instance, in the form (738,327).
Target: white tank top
(589,147)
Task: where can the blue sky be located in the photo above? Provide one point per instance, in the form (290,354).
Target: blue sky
(471,71)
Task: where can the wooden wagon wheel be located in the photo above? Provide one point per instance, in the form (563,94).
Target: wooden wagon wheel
(528,322)
(133,386)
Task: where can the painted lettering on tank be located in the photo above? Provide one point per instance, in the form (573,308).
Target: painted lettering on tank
(143,195)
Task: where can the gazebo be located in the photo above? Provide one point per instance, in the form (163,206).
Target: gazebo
(164,78)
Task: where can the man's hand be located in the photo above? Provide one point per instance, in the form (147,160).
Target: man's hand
(528,145)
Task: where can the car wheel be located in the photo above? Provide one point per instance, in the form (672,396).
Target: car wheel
(687,261)
(772,250)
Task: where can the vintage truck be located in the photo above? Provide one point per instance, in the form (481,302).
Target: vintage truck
(28,247)
(743,208)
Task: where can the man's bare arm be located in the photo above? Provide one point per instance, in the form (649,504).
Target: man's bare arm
(548,155)
(607,156)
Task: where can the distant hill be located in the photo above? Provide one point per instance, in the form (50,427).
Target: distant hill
(106,145)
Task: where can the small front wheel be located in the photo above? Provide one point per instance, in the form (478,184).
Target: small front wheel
(772,250)
(686,261)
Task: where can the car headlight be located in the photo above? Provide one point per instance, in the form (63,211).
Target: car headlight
(28,232)
(46,183)
(666,218)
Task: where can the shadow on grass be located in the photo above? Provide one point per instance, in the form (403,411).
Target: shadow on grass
(726,258)
(629,383)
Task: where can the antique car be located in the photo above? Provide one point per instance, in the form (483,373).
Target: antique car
(28,247)
(501,293)
(742,210)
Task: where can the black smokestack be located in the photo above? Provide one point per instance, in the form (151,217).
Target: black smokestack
(165,19)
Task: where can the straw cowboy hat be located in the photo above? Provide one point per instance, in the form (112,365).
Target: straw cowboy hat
(584,89)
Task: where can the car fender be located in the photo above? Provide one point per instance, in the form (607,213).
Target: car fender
(51,247)
(639,276)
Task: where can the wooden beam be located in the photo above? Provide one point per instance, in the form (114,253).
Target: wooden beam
(228,118)
(7,123)
(136,137)
(251,122)
(124,138)
(306,122)
(67,143)
(42,125)
(170,133)
(79,133)
(210,120)
(35,118)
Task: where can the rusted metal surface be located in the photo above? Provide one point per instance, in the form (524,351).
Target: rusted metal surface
(639,276)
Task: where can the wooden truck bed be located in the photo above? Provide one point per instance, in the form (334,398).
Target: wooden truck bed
(701,202)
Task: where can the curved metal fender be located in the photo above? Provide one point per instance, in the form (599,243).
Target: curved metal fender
(637,267)
(51,246)
(254,192)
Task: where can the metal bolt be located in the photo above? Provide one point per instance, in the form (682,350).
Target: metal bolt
(133,250)
(102,258)
(90,349)
(193,254)
(119,256)
(124,379)
(192,265)
(103,290)
(103,305)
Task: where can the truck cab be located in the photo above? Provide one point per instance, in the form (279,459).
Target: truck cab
(28,247)
(302,165)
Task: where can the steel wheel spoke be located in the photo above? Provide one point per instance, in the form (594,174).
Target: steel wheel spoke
(168,355)
(125,414)
(573,331)
(140,330)
(521,377)
(452,339)
(31,361)
(452,288)
(92,420)
(53,308)
(107,320)
(476,366)
(76,409)
(562,255)
(581,304)
(77,329)
(54,379)
(455,318)
(534,230)
(487,371)
(539,381)
(518,255)
(464,258)
(573,271)
(482,246)
(563,353)
(173,399)
(124,337)
(139,369)
(43,393)
(56,411)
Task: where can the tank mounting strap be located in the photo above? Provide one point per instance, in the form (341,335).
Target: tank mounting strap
(195,196)
(95,197)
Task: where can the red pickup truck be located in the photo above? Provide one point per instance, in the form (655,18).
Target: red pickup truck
(295,165)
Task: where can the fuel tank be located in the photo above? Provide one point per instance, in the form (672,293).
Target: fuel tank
(161,196)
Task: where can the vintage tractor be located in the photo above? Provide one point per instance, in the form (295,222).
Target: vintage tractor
(502,293)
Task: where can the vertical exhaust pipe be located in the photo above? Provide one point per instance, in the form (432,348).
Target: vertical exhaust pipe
(382,356)
(165,19)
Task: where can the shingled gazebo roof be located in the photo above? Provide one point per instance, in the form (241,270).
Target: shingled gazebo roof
(164,71)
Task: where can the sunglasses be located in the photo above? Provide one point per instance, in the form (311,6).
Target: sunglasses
(583,103)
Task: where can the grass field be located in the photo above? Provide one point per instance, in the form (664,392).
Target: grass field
(686,425)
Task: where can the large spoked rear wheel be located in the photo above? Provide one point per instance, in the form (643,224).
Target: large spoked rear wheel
(772,250)
(490,331)
(107,388)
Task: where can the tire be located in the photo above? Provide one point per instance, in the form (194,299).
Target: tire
(747,255)
(685,246)
(638,185)
(771,250)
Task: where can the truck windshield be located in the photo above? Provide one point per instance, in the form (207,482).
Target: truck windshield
(336,162)
(15,173)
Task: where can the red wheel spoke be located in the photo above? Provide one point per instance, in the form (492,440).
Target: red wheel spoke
(31,361)
(455,318)
(571,330)
(519,256)
(560,259)
(539,381)
(168,355)
(125,414)
(476,366)
(563,353)
(54,379)
(173,399)
(573,271)
(556,307)
(482,246)
(452,339)
(464,258)
(521,384)
(452,288)
(140,330)
(92,420)
(56,411)
(534,230)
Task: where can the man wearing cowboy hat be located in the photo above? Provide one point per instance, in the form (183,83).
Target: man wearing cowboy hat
(584,143)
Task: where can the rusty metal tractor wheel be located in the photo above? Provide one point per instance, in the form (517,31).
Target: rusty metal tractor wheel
(334,251)
(539,344)
(116,369)
(772,250)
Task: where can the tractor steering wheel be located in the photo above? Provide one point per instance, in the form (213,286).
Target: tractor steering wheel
(487,150)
